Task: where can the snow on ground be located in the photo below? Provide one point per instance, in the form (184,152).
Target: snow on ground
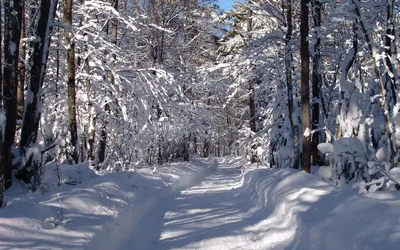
(74,217)
(229,207)
(268,209)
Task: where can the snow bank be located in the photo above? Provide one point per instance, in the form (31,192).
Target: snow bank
(85,215)
(307,213)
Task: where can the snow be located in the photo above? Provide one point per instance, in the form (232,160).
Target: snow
(74,216)
(201,205)
(325,148)
(307,132)
(266,209)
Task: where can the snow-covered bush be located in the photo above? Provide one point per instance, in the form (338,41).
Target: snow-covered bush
(350,163)
(348,160)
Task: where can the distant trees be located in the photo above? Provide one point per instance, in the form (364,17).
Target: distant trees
(348,93)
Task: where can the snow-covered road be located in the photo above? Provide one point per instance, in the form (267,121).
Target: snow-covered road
(216,214)
(203,205)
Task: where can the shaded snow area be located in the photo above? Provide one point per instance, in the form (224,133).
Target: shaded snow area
(203,205)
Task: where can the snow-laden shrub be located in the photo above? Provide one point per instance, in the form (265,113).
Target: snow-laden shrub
(350,163)
(348,160)
(31,175)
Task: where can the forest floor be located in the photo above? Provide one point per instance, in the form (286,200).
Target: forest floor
(203,205)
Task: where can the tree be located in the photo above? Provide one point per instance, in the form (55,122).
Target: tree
(111,78)
(70,44)
(30,161)
(316,82)
(2,167)
(12,33)
(305,88)
(289,80)
(21,66)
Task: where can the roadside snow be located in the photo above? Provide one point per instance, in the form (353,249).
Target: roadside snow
(318,215)
(84,215)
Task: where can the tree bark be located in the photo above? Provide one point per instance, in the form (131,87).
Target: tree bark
(392,76)
(316,83)
(21,66)
(12,26)
(2,202)
(70,44)
(252,106)
(305,88)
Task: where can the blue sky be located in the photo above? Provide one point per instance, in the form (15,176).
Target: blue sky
(226,4)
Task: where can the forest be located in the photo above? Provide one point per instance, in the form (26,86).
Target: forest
(121,85)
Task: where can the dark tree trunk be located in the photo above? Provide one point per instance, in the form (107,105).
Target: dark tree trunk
(195,144)
(21,66)
(206,146)
(392,77)
(12,26)
(316,84)
(58,59)
(71,79)
(103,136)
(252,108)
(32,111)
(305,87)
(186,147)
(2,202)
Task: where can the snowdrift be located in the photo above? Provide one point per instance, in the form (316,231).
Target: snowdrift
(307,213)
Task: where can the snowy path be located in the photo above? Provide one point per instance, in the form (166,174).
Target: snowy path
(199,206)
(216,214)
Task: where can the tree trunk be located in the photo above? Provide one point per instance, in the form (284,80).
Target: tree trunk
(2,182)
(392,76)
(252,108)
(71,79)
(103,137)
(316,83)
(12,34)
(32,110)
(2,202)
(289,81)
(21,66)
(305,88)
